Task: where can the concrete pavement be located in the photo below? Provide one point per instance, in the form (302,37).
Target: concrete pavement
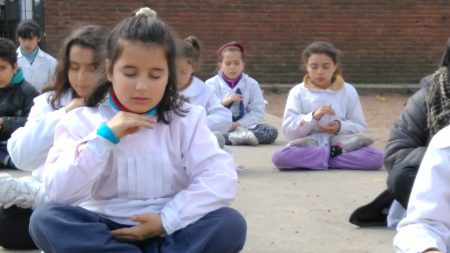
(302,211)
(305,211)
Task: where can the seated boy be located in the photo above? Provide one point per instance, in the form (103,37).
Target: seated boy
(16,97)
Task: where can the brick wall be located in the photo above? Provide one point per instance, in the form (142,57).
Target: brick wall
(382,41)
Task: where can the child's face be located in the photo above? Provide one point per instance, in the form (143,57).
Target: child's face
(6,72)
(321,69)
(232,64)
(82,70)
(139,76)
(29,44)
(184,73)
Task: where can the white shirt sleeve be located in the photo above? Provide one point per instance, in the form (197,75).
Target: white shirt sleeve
(297,122)
(29,145)
(75,161)
(427,223)
(254,110)
(212,177)
(354,122)
(218,117)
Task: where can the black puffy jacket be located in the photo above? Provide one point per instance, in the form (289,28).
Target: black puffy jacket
(409,136)
(15,105)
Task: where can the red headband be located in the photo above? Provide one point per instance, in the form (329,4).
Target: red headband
(230,44)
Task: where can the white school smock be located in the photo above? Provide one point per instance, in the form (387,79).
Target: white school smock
(254,104)
(29,145)
(427,221)
(177,170)
(41,72)
(218,117)
(301,102)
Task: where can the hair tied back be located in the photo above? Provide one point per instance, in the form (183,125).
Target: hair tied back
(146,11)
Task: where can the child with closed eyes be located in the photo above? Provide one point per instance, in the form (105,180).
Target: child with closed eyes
(188,57)
(134,171)
(323,119)
(242,95)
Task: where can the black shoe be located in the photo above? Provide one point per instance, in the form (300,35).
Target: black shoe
(375,213)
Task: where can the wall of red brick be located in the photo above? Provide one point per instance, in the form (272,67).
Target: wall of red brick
(382,41)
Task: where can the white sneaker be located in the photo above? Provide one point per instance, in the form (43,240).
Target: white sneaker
(242,136)
(24,192)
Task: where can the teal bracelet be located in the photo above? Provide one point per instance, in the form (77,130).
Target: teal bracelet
(106,132)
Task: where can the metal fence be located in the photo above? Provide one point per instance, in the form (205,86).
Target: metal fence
(13,11)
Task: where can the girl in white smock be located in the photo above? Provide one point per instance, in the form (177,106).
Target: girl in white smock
(188,56)
(135,169)
(324,120)
(242,95)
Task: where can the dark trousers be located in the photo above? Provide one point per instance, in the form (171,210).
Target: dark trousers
(14,222)
(400,182)
(62,228)
(3,151)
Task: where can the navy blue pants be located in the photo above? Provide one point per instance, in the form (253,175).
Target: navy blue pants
(3,151)
(62,228)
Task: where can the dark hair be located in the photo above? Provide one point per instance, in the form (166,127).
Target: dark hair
(230,46)
(8,51)
(87,36)
(27,29)
(189,48)
(146,29)
(322,47)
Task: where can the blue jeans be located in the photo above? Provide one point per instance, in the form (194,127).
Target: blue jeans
(63,228)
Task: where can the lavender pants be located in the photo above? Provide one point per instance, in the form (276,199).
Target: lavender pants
(293,157)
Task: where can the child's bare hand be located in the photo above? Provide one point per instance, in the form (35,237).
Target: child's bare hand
(124,123)
(74,103)
(231,99)
(150,225)
(322,110)
(332,127)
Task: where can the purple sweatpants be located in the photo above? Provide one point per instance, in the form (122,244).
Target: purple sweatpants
(293,157)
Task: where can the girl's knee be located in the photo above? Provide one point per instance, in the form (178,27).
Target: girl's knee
(41,216)
(377,158)
(368,158)
(277,158)
(282,159)
(266,134)
(233,226)
(234,219)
